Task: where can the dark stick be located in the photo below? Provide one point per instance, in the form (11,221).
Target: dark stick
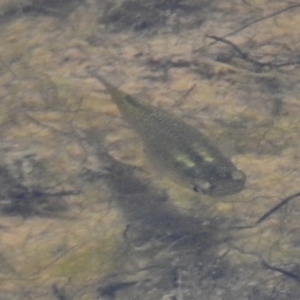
(263,18)
(280,270)
(245,56)
(242,54)
(276,207)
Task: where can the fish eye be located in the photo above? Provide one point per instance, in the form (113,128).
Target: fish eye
(204,187)
(195,189)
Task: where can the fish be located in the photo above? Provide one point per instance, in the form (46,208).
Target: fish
(175,148)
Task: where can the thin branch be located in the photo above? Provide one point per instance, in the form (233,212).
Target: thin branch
(284,272)
(245,56)
(241,53)
(277,207)
(8,68)
(262,19)
(280,270)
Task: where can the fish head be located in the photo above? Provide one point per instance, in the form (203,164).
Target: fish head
(219,181)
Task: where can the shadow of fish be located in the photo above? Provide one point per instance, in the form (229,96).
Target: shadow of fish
(176,148)
(147,210)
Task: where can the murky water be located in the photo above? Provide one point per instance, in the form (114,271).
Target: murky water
(83,214)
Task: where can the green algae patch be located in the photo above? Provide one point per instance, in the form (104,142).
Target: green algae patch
(91,261)
(47,250)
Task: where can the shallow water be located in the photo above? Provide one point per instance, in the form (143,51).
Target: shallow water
(83,214)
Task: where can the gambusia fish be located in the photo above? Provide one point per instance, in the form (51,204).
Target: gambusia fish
(176,148)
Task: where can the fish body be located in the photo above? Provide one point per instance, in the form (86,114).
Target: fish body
(177,148)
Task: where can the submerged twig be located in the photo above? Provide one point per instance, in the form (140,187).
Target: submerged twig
(262,19)
(277,207)
(265,264)
(245,56)
(8,68)
(242,54)
(280,270)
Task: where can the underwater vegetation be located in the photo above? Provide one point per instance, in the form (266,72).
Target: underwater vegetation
(148,15)
(82,215)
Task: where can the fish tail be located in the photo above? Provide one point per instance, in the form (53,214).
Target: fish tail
(94,73)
